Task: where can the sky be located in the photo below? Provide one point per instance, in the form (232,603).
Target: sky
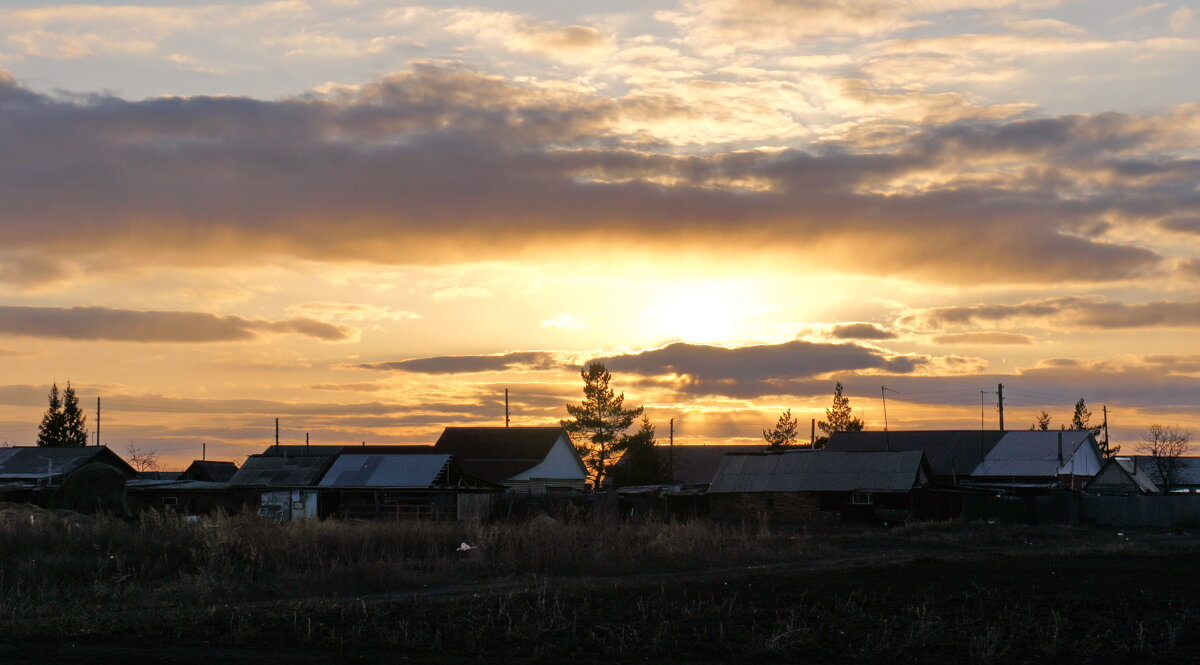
(368,219)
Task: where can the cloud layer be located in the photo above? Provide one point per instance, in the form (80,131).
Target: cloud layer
(118,325)
(439,165)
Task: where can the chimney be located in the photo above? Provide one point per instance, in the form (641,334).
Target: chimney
(1060,448)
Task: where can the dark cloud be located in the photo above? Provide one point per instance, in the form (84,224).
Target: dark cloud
(768,369)
(983,338)
(438,165)
(861,331)
(1071,312)
(122,325)
(532,360)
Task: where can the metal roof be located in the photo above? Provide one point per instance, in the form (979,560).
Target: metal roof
(31,462)
(1137,474)
(496,454)
(208,470)
(1030,453)
(950,452)
(1186,472)
(818,471)
(698,463)
(403,470)
(277,470)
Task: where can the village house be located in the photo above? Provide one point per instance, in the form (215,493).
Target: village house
(817,485)
(1016,462)
(1123,477)
(525,460)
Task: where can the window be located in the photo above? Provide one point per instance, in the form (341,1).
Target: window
(170,501)
(861,498)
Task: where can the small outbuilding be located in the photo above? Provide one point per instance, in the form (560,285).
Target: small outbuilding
(1121,476)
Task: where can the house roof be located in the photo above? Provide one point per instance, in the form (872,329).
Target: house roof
(819,471)
(394,470)
(1186,473)
(1026,453)
(276,470)
(949,452)
(210,471)
(37,462)
(496,454)
(698,463)
(1131,471)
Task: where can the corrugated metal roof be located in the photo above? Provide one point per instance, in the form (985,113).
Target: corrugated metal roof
(1186,471)
(279,471)
(496,454)
(39,461)
(949,452)
(403,470)
(1137,474)
(818,471)
(1030,453)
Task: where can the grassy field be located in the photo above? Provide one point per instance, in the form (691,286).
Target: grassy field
(93,590)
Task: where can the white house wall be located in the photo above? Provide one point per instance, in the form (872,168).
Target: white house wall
(561,463)
(1084,462)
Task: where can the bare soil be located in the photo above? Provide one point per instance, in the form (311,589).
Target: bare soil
(1020,597)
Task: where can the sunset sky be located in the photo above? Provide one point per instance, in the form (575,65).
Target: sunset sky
(368,218)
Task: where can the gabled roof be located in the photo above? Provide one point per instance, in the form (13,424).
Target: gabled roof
(39,462)
(276,470)
(496,454)
(819,471)
(1129,470)
(394,470)
(210,471)
(699,463)
(1187,470)
(949,452)
(1028,453)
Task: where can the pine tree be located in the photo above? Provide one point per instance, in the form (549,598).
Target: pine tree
(74,421)
(784,434)
(1081,417)
(51,430)
(1042,422)
(600,421)
(840,417)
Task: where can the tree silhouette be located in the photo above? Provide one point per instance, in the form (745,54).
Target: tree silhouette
(600,422)
(643,462)
(51,430)
(74,421)
(1080,419)
(1165,445)
(1041,422)
(839,417)
(63,424)
(784,434)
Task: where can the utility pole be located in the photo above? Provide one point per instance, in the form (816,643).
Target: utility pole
(203,451)
(671,450)
(883,391)
(1000,403)
(306,440)
(1106,446)
(277,431)
(97,420)
(982,399)
(506,407)
(812,434)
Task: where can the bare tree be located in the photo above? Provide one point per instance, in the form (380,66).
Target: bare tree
(1166,446)
(142,460)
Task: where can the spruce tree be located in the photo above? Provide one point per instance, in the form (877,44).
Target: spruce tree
(1042,422)
(74,421)
(51,430)
(643,462)
(600,422)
